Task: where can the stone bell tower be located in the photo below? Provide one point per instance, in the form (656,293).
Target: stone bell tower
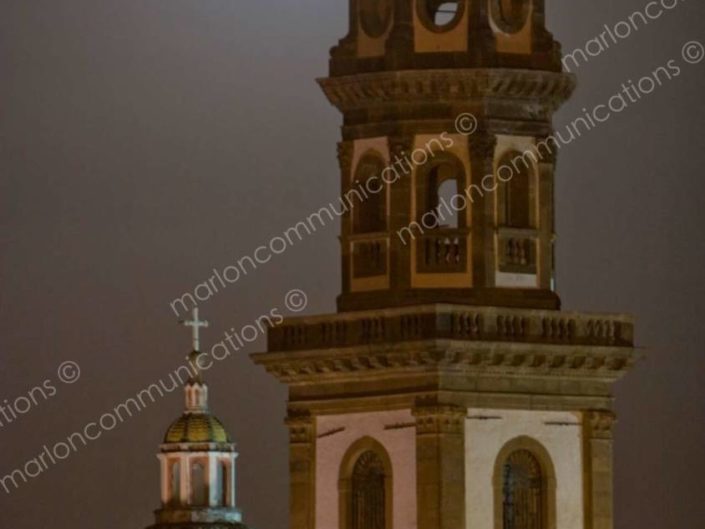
(449,391)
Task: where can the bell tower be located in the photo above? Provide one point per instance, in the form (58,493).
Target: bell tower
(449,391)
(437,96)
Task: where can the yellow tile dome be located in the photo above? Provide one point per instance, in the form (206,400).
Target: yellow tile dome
(197,428)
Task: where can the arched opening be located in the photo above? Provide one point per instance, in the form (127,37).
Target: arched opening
(224,489)
(199,485)
(175,483)
(366,487)
(522,492)
(368,501)
(524,486)
(517,213)
(439,186)
(440,14)
(516,204)
(446,193)
(442,211)
(370,212)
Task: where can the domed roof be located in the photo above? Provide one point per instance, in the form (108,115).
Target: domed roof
(197,428)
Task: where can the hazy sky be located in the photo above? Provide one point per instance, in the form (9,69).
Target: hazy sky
(145,142)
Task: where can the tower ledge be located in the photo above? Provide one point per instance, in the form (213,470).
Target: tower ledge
(484,353)
(461,85)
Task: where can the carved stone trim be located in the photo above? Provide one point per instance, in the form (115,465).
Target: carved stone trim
(599,423)
(374,89)
(453,322)
(439,419)
(469,358)
(301,428)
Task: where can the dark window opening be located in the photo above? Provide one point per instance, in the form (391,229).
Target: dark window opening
(442,188)
(370,213)
(523,492)
(368,509)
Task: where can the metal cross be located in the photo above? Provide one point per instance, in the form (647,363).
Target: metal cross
(195,325)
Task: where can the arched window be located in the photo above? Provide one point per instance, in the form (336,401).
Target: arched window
(175,483)
(368,495)
(522,492)
(225,483)
(366,487)
(222,482)
(440,182)
(516,201)
(370,211)
(524,486)
(199,487)
(440,15)
(446,191)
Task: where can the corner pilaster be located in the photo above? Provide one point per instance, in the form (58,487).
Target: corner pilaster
(302,468)
(440,463)
(598,468)
(482,148)
(546,225)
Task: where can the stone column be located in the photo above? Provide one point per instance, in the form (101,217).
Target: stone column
(401,195)
(440,463)
(597,457)
(302,468)
(345,156)
(481,41)
(400,44)
(546,225)
(482,196)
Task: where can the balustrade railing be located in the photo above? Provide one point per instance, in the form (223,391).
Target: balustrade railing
(443,250)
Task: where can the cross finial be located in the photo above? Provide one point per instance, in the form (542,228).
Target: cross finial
(195,325)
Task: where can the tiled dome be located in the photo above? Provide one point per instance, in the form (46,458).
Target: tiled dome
(197,428)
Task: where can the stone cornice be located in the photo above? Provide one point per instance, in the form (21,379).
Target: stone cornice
(429,86)
(480,359)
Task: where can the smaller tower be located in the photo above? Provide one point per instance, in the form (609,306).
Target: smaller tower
(197,461)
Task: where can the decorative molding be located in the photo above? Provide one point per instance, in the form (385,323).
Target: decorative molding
(439,419)
(301,428)
(451,322)
(599,423)
(419,86)
(469,358)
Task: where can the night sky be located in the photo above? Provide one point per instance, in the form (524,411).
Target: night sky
(145,142)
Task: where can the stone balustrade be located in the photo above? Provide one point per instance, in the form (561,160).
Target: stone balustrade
(451,322)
